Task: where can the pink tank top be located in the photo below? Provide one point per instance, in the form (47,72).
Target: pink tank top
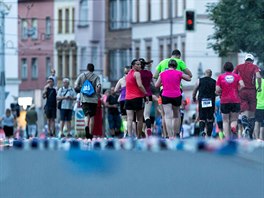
(132,89)
(171,81)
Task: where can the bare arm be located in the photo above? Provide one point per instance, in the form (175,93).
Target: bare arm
(258,76)
(158,82)
(195,90)
(118,86)
(139,82)
(186,77)
(156,75)
(218,90)
(188,72)
(241,84)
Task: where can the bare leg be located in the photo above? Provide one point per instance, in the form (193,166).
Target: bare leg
(130,116)
(139,116)
(226,125)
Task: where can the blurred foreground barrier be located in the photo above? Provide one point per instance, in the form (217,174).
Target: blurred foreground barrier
(227,147)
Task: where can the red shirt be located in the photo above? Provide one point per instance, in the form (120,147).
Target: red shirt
(132,89)
(146,77)
(229,83)
(248,71)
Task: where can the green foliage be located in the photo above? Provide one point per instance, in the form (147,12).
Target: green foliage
(239,27)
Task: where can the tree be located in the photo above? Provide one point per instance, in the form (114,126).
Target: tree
(239,27)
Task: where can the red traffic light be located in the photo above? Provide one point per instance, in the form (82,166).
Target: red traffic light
(189,22)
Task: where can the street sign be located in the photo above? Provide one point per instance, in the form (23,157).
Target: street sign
(79,122)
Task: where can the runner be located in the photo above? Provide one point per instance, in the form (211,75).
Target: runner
(249,72)
(135,93)
(181,66)
(147,79)
(171,95)
(206,102)
(227,87)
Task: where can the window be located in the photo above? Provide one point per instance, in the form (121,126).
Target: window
(148,10)
(113,65)
(113,14)
(148,53)
(161,52)
(23,68)
(73,20)
(74,64)
(118,59)
(60,21)
(95,55)
(34,68)
(48,66)
(169,8)
(34,29)
(67,64)
(48,28)
(84,57)
(168,50)
(119,14)
(137,52)
(60,66)
(83,13)
(161,9)
(137,11)
(24,29)
(67,21)
(176,8)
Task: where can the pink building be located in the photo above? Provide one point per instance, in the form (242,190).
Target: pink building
(35,38)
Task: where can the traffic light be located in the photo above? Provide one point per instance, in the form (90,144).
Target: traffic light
(189,20)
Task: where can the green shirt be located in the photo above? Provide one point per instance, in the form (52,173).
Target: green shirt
(260,95)
(163,65)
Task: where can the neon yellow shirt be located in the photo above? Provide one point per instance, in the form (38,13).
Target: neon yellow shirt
(163,65)
(260,95)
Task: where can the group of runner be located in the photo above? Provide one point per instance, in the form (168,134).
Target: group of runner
(238,88)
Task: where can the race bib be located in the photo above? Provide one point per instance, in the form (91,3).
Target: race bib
(206,102)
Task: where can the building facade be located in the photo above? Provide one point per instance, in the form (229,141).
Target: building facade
(65,55)
(35,47)
(118,38)
(10,46)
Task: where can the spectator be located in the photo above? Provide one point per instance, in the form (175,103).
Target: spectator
(31,119)
(8,123)
(53,75)
(67,96)
(89,101)
(50,108)
(114,119)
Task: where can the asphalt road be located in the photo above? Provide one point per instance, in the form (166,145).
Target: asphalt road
(37,174)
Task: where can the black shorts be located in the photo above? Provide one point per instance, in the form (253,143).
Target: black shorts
(9,131)
(259,115)
(230,108)
(89,108)
(135,104)
(65,114)
(122,108)
(206,113)
(174,101)
(51,113)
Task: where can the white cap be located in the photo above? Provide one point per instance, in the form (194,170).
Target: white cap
(249,56)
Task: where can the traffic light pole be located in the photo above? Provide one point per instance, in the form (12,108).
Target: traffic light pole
(2,58)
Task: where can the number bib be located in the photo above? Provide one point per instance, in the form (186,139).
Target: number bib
(206,102)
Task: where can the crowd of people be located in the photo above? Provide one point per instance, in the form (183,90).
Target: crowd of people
(142,104)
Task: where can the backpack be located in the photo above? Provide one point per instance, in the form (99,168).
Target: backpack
(87,88)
